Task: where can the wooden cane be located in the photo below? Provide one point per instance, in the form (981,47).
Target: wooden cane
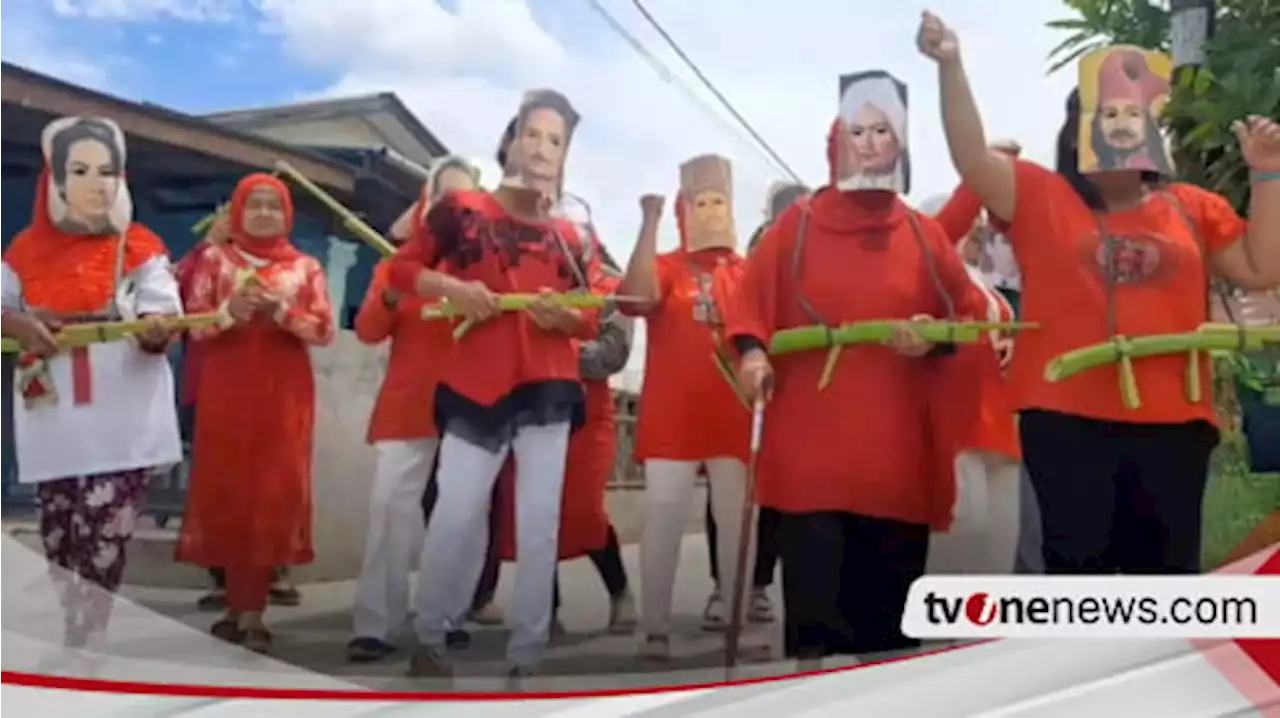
(734,632)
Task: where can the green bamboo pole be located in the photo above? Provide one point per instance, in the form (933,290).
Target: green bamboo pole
(1123,350)
(520,302)
(354,224)
(74,336)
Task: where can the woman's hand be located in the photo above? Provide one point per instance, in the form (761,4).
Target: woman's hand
(243,305)
(155,338)
(553,317)
(907,342)
(1259,143)
(474,300)
(35,331)
(936,41)
(755,376)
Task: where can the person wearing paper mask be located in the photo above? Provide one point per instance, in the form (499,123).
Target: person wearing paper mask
(760,607)
(402,429)
(690,414)
(1107,252)
(511,385)
(1124,132)
(585,528)
(856,516)
(93,424)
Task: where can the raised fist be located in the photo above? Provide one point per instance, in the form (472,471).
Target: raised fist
(937,41)
(651,205)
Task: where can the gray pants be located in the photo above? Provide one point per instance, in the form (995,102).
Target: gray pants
(1030,559)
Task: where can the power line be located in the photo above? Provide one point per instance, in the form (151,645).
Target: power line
(670,78)
(675,46)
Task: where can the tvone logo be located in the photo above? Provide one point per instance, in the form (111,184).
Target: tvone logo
(980,609)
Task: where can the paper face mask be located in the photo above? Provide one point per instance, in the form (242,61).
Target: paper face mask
(543,128)
(706,204)
(87,192)
(872,149)
(1122,92)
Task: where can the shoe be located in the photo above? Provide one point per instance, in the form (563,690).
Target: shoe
(714,618)
(227,629)
(215,600)
(488,615)
(366,649)
(284,594)
(655,648)
(760,609)
(257,640)
(429,663)
(458,639)
(622,614)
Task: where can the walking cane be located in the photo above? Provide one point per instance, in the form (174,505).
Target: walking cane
(734,631)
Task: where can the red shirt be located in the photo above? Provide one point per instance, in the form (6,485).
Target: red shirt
(470,236)
(406,402)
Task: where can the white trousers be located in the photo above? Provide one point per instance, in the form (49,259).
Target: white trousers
(669,489)
(394,537)
(984,535)
(454,550)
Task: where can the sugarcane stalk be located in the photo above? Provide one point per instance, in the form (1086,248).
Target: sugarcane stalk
(726,370)
(799,339)
(354,224)
(520,302)
(829,368)
(1128,378)
(72,336)
(1192,378)
(201,228)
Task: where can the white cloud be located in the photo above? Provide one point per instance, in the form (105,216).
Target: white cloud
(145,10)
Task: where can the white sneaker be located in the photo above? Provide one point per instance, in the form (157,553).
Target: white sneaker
(622,614)
(655,648)
(715,617)
(761,608)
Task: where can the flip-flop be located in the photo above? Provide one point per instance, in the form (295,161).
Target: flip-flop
(257,640)
(227,630)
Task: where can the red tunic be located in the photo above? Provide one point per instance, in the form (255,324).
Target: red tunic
(863,444)
(249,502)
(406,401)
(688,410)
(507,368)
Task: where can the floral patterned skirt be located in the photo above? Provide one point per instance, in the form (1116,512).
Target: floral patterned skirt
(85,522)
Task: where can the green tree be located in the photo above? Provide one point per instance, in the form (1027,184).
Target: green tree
(1241,76)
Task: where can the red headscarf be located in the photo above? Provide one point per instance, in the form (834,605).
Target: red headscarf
(73,273)
(276,249)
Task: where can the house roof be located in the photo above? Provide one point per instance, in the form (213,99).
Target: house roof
(34,91)
(362,106)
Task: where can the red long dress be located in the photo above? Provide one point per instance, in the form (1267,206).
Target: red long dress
(249,501)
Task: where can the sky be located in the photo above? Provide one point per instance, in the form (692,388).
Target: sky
(462,65)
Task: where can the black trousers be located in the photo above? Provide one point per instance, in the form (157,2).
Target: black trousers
(487,586)
(766,547)
(608,563)
(1117,497)
(845,579)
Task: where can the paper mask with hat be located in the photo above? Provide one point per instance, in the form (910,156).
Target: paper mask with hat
(544,126)
(705,209)
(872,139)
(1123,90)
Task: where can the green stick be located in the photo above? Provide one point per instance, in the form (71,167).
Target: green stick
(1123,350)
(520,302)
(73,336)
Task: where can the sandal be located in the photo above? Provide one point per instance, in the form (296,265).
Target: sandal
(257,640)
(284,595)
(227,629)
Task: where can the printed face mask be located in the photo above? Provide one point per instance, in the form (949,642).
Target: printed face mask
(871,149)
(536,156)
(1123,89)
(706,198)
(87,192)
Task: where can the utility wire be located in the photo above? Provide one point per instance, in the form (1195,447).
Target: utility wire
(675,46)
(670,78)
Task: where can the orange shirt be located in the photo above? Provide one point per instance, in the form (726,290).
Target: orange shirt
(1161,289)
(865,444)
(688,411)
(405,408)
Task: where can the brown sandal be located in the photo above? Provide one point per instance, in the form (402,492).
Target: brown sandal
(257,640)
(227,629)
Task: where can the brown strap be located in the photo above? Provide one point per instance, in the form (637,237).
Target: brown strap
(930,261)
(1210,285)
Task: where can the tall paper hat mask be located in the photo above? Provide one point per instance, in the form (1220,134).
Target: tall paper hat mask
(705,209)
(536,157)
(1123,89)
(87,193)
(871,151)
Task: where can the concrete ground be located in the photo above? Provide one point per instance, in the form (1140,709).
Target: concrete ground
(313,636)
